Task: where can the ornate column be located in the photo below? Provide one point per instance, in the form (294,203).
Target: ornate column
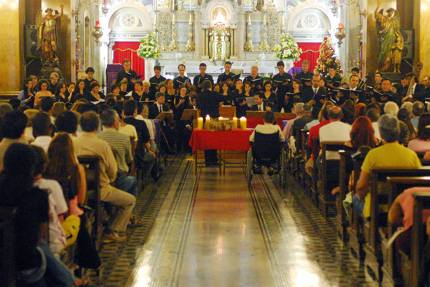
(190,46)
(240,34)
(248,47)
(263,44)
(198,32)
(172,46)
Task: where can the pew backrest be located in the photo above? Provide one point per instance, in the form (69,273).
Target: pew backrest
(7,247)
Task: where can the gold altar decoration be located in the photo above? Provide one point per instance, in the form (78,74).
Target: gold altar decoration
(391,42)
(219,43)
(221,124)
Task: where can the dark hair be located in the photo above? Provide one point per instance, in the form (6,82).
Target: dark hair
(202,65)
(90,69)
(335,113)
(89,121)
(46,104)
(269,117)
(373,114)
(228,63)
(404,116)
(157,67)
(129,108)
(385,79)
(67,122)
(15,103)
(158,94)
(206,85)
(108,117)
(86,107)
(280,64)
(418,108)
(41,124)
(424,127)
(13,125)
(40,160)
(355,69)
(181,65)
(94,84)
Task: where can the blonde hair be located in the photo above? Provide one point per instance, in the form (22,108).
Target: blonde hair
(30,113)
(391,108)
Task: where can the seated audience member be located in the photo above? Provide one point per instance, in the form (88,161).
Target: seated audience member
(373,114)
(67,122)
(159,106)
(15,103)
(143,116)
(13,127)
(422,142)
(260,104)
(362,134)
(121,148)
(145,155)
(57,109)
(298,111)
(391,108)
(401,213)
(32,217)
(57,203)
(42,130)
(4,109)
(418,109)
(300,124)
(46,105)
(268,127)
(63,167)
(390,155)
(407,130)
(89,144)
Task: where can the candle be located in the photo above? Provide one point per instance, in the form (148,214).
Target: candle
(243,123)
(234,123)
(220,118)
(200,123)
(97,23)
(208,119)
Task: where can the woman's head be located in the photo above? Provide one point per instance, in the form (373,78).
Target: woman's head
(247,87)
(61,155)
(404,115)
(43,85)
(238,84)
(62,88)
(296,85)
(95,88)
(217,88)
(225,87)
(362,133)
(81,85)
(169,84)
(391,108)
(360,110)
(424,127)
(162,88)
(268,86)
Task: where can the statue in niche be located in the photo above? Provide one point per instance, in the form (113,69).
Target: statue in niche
(219,43)
(48,30)
(390,38)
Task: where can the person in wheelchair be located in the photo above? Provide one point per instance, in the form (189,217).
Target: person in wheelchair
(266,142)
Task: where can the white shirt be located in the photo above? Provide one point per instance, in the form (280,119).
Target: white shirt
(57,206)
(335,132)
(43,142)
(129,131)
(376,129)
(267,129)
(150,125)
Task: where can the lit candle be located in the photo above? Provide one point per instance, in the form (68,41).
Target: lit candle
(234,123)
(97,23)
(220,118)
(208,119)
(200,123)
(243,123)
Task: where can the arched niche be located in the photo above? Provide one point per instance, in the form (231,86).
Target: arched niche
(129,23)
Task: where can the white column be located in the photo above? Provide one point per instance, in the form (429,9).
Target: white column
(198,32)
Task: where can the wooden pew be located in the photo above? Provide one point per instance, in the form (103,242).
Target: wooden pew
(390,262)
(92,172)
(372,247)
(327,178)
(7,247)
(422,202)
(341,218)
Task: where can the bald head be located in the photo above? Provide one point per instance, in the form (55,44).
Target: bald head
(335,113)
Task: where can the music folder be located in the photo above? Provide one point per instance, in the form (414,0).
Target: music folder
(189,115)
(255,114)
(165,116)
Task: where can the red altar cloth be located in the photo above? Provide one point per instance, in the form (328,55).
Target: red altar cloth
(235,140)
(252,122)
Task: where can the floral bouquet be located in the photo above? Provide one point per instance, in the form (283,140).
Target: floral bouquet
(149,47)
(288,48)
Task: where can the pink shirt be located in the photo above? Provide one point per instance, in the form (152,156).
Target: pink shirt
(418,145)
(406,200)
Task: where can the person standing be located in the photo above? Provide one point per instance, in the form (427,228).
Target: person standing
(201,77)
(227,75)
(156,80)
(128,74)
(282,83)
(254,80)
(181,80)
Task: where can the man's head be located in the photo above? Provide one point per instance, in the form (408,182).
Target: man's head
(202,68)
(126,65)
(305,66)
(89,122)
(181,69)
(227,67)
(42,126)
(258,99)
(418,108)
(157,70)
(316,81)
(281,67)
(90,73)
(353,81)
(386,86)
(426,81)
(332,71)
(298,109)
(160,98)
(254,71)
(41,160)
(54,77)
(67,122)
(110,119)
(335,113)
(13,125)
(130,109)
(389,128)
(378,78)
(95,87)
(46,104)
(355,71)
(373,114)
(269,118)
(307,110)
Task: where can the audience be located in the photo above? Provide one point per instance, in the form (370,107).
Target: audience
(42,130)
(13,127)
(421,143)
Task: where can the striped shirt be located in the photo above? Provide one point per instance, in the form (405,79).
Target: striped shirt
(120,145)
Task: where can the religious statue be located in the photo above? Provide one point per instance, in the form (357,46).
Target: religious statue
(219,43)
(48,35)
(391,40)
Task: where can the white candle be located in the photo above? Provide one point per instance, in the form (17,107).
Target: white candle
(234,123)
(220,118)
(200,123)
(243,123)
(208,120)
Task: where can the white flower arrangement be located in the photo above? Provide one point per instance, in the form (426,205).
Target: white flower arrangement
(148,48)
(287,48)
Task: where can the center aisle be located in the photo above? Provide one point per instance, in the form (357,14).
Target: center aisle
(213,230)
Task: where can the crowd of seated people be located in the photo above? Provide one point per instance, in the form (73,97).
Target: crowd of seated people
(52,123)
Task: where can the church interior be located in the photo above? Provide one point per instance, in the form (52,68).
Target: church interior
(214,143)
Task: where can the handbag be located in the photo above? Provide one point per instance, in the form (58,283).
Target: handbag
(71,226)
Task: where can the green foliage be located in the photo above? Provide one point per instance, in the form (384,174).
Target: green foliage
(149,47)
(287,48)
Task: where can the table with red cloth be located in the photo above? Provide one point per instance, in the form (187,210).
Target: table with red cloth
(252,122)
(236,140)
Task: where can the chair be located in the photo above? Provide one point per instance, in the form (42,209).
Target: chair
(7,247)
(377,221)
(92,172)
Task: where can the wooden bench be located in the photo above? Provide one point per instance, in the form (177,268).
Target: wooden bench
(390,262)
(7,247)
(95,218)
(372,246)
(341,218)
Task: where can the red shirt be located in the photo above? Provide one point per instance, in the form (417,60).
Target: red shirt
(314,133)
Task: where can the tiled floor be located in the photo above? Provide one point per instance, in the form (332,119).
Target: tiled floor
(211,230)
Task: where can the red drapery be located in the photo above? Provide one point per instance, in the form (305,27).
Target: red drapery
(128,50)
(310,53)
